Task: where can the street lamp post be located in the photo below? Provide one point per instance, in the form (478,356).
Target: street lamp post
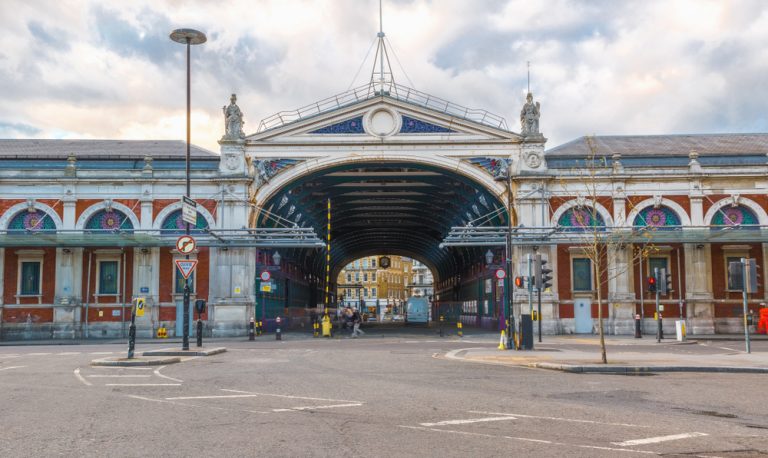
(187,37)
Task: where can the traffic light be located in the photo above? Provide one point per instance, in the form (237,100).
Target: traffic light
(542,275)
(735,275)
(750,274)
(664,281)
(519,282)
(200,306)
(652,285)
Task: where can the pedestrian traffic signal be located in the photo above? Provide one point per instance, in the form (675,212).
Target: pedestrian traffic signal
(542,275)
(664,281)
(750,274)
(519,282)
(651,284)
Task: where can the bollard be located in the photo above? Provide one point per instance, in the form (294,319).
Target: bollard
(261,327)
(278,332)
(661,326)
(441,325)
(638,327)
(460,331)
(251,330)
(315,329)
(199,332)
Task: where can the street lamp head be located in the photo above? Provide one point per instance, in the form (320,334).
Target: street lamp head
(188,36)
(489,257)
(276,258)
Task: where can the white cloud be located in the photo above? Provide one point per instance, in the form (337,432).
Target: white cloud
(638,67)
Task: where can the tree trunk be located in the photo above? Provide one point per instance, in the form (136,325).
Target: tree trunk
(598,277)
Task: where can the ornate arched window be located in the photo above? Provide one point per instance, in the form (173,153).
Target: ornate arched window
(32,221)
(659,218)
(734,216)
(174,224)
(109,220)
(581,218)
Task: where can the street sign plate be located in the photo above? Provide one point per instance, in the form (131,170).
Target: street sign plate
(189,210)
(501,274)
(186,244)
(266,287)
(265,276)
(186,266)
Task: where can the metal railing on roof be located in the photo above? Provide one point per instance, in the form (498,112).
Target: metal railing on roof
(496,235)
(392,90)
(293,237)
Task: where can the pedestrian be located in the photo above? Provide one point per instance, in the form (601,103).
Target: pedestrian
(348,319)
(357,320)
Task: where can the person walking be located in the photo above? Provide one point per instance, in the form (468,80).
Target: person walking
(357,320)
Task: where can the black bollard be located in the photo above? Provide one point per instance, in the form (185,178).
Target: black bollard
(278,331)
(251,330)
(199,332)
(638,327)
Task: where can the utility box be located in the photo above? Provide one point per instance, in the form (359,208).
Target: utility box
(680,330)
(526,332)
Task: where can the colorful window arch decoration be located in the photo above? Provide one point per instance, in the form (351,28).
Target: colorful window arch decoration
(734,216)
(109,220)
(174,224)
(32,221)
(657,217)
(578,219)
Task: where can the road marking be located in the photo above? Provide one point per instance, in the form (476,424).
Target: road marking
(101,353)
(123,368)
(330,406)
(466,422)
(38,354)
(560,419)
(157,372)
(289,397)
(80,377)
(11,367)
(143,384)
(181,398)
(528,439)
(655,440)
(69,353)
(116,376)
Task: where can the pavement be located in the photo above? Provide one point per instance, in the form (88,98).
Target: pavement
(627,355)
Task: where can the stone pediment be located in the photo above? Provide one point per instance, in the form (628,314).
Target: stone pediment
(382,119)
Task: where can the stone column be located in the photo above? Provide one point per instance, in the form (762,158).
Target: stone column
(143,274)
(621,295)
(698,288)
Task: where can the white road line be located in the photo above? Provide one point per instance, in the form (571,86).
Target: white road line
(157,372)
(68,353)
(38,354)
(181,398)
(11,367)
(528,439)
(118,376)
(80,377)
(655,440)
(290,397)
(143,384)
(100,353)
(123,368)
(466,422)
(330,406)
(574,420)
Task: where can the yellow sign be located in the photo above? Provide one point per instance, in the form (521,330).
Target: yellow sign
(266,287)
(237,290)
(140,306)
(101,313)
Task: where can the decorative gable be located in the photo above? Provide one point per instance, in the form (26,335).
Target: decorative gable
(350,126)
(416,126)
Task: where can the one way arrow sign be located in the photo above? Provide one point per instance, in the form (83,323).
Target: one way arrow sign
(186,266)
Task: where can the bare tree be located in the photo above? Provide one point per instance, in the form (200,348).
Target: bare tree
(599,242)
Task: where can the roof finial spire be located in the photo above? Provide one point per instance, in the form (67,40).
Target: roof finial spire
(385,77)
(529,76)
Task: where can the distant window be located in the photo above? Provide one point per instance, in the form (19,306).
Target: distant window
(373,292)
(30,278)
(357,276)
(582,274)
(365,277)
(108,277)
(365,263)
(349,278)
(373,276)
(373,262)
(365,292)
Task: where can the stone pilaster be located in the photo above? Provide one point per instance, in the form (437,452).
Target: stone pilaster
(698,288)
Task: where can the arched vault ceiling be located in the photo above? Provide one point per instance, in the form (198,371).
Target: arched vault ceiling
(385,208)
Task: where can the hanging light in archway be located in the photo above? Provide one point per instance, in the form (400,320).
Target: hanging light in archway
(276,258)
(489,257)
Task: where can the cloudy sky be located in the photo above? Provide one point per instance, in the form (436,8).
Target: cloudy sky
(107,69)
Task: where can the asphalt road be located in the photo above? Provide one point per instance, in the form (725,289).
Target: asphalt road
(373,396)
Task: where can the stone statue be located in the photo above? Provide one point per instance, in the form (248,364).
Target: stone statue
(529,117)
(233,120)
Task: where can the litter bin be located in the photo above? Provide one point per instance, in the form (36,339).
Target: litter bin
(327,325)
(680,330)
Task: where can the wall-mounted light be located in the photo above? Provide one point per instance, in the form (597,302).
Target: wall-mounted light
(66,251)
(700,246)
(489,257)
(145,250)
(276,258)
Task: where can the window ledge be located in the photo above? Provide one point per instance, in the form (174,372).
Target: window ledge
(20,296)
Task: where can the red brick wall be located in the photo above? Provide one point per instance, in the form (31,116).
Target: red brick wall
(12,277)
(19,315)
(106,300)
